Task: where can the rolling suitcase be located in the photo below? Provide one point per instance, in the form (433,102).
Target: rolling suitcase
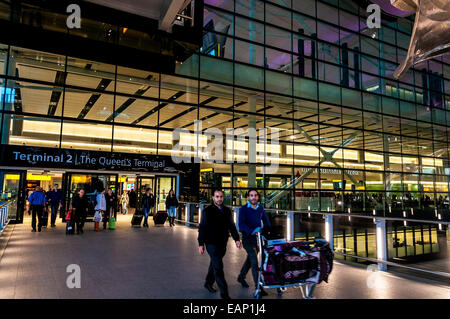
(44,220)
(136,220)
(112,223)
(160,218)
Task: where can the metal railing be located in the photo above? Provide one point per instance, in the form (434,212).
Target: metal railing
(186,216)
(4,215)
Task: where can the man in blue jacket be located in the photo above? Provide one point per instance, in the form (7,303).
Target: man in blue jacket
(252,218)
(54,198)
(37,201)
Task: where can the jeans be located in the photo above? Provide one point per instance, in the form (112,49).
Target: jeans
(54,208)
(215,271)
(37,211)
(252,250)
(172,211)
(146,212)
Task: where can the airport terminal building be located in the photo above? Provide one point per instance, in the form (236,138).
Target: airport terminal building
(120,100)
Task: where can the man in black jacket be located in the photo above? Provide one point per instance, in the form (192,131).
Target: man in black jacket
(80,206)
(215,227)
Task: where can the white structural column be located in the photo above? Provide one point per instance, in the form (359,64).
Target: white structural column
(381,243)
(329,230)
(187,213)
(290,226)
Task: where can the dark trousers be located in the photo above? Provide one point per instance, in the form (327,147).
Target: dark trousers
(106,216)
(79,222)
(37,211)
(54,208)
(215,271)
(252,250)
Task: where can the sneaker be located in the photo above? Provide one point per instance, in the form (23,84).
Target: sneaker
(210,288)
(242,282)
(53,225)
(225,296)
(33,230)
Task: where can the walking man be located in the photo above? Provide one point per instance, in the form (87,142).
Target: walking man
(37,201)
(215,227)
(252,218)
(54,197)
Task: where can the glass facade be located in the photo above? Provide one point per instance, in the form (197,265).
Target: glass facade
(316,72)
(351,137)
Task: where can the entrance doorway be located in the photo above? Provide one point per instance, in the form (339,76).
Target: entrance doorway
(160,185)
(12,189)
(17,185)
(45,180)
(91,184)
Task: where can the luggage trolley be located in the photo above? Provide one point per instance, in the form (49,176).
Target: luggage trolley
(306,286)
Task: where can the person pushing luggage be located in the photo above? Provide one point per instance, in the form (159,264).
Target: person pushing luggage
(171,204)
(148,201)
(215,227)
(252,218)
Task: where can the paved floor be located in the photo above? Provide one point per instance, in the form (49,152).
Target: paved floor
(160,262)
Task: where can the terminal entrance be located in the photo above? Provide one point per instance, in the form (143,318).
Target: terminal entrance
(17,185)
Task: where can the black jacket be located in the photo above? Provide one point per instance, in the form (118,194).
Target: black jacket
(171,201)
(110,202)
(80,204)
(148,201)
(216,225)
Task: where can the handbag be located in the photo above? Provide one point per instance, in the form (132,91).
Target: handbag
(69,215)
(97,216)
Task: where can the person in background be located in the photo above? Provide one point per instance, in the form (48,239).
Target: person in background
(125,200)
(252,218)
(148,201)
(110,206)
(132,199)
(100,207)
(171,205)
(215,227)
(54,198)
(80,206)
(37,202)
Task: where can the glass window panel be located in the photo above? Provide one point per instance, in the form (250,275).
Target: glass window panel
(250,8)
(249,30)
(31,131)
(278,82)
(211,70)
(248,76)
(329,93)
(88,105)
(278,60)
(304,23)
(306,6)
(277,16)
(87,136)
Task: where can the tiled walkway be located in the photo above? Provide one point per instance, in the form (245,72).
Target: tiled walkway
(159,262)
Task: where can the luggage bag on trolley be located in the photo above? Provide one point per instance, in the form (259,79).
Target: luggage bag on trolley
(289,264)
